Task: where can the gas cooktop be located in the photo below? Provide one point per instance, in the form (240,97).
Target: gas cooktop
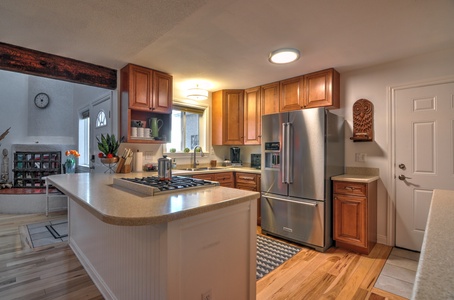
(152,185)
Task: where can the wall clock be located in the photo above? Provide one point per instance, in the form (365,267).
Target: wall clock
(41,100)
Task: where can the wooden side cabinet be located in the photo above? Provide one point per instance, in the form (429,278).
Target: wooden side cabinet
(355,215)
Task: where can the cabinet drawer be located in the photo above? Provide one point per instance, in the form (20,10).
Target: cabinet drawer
(204,176)
(224,177)
(247,187)
(246,178)
(350,188)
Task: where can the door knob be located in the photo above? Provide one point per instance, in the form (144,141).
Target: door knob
(402,166)
(403,177)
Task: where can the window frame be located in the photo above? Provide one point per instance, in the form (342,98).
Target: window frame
(204,128)
(84,135)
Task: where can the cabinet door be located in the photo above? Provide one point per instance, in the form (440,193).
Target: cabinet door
(233,108)
(290,94)
(227,117)
(252,117)
(162,93)
(269,94)
(350,219)
(321,89)
(140,87)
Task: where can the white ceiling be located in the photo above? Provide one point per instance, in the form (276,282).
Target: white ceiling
(225,43)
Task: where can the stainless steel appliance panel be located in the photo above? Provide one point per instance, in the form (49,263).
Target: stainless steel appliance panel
(308,160)
(272,153)
(295,219)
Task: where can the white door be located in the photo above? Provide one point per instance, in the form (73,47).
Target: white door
(424,136)
(100,123)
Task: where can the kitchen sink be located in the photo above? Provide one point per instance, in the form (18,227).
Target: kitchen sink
(202,169)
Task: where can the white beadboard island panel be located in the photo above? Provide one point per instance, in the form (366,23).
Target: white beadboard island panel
(214,251)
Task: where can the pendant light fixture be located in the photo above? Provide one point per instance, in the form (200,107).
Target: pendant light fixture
(284,56)
(197,93)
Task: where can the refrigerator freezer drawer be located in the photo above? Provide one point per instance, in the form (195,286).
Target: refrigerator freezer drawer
(299,220)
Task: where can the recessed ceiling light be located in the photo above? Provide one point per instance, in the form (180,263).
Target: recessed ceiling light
(284,56)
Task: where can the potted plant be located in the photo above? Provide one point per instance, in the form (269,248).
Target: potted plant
(108,145)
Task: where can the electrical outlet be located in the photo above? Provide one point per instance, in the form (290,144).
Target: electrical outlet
(207,295)
(148,155)
(360,157)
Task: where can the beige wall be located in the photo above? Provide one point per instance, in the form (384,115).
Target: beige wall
(373,84)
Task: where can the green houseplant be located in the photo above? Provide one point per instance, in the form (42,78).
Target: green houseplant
(108,145)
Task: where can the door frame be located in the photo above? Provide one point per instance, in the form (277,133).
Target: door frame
(391,210)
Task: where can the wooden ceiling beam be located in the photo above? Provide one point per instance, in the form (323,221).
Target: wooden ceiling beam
(32,62)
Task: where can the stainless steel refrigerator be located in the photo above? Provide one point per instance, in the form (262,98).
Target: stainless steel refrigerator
(301,150)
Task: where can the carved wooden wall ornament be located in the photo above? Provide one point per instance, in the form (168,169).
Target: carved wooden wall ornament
(363,121)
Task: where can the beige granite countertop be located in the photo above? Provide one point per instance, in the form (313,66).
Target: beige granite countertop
(356,178)
(435,274)
(118,206)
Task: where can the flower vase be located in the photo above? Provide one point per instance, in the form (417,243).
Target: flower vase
(70,165)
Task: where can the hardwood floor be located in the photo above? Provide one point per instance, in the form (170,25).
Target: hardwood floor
(49,272)
(335,274)
(54,272)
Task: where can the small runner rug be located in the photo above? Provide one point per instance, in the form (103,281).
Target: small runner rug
(47,232)
(271,254)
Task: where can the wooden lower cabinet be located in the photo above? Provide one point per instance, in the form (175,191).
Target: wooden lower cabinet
(355,215)
(225,179)
(250,182)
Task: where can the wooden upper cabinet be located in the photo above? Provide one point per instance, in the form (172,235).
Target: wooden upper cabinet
(145,94)
(162,92)
(147,89)
(269,94)
(321,89)
(227,120)
(139,86)
(290,94)
(252,117)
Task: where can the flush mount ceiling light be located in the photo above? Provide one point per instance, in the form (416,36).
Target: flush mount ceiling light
(284,56)
(197,93)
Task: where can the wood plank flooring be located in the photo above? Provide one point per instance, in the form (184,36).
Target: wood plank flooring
(49,272)
(54,272)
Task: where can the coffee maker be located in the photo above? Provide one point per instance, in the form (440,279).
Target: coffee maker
(235,155)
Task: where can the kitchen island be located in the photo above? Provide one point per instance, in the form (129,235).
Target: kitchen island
(178,245)
(435,274)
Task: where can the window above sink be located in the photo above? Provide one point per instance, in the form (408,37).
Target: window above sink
(190,125)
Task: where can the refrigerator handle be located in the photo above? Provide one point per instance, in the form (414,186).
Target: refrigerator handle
(283,151)
(289,153)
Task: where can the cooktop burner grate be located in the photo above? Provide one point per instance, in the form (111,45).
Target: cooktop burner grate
(152,185)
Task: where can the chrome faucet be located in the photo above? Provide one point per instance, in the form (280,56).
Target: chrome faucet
(195,158)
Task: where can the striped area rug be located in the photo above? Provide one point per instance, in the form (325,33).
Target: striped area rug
(271,254)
